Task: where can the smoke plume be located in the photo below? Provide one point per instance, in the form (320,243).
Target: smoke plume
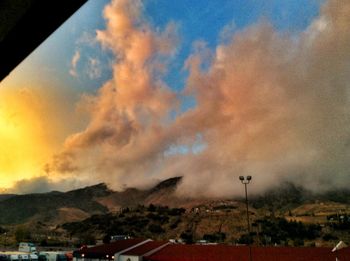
(268,104)
(42,184)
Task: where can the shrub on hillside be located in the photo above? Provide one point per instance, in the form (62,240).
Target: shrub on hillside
(155,229)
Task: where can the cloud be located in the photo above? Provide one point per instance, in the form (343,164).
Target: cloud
(74,63)
(41,185)
(87,39)
(227,32)
(268,104)
(134,103)
(94,68)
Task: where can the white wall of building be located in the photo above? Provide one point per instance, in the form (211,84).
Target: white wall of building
(129,258)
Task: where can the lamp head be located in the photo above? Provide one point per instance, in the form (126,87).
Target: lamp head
(241,178)
(249,178)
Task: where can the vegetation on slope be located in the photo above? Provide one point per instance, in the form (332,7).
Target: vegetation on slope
(287,215)
(21,208)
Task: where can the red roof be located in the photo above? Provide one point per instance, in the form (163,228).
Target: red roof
(241,253)
(107,249)
(145,248)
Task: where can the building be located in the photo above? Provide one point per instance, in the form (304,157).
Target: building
(148,250)
(137,253)
(126,250)
(177,252)
(107,251)
(120,250)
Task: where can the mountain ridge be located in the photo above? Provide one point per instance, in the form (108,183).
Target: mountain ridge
(44,206)
(99,199)
(87,201)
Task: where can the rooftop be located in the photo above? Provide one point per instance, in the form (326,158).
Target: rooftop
(145,248)
(107,249)
(231,253)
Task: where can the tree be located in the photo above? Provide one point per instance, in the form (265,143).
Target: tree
(151,208)
(187,237)
(298,242)
(88,239)
(246,239)
(106,239)
(215,237)
(3,230)
(155,228)
(22,234)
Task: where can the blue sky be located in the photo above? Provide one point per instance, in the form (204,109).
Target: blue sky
(197,20)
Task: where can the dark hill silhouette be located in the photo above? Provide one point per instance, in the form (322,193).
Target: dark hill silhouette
(23,208)
(6,196)
(60,207)
(97,199)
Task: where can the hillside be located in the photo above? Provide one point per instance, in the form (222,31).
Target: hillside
(46,206)
(161,194)
(219,221)
(6,196)
(287,215)
(60,207)
(158,213)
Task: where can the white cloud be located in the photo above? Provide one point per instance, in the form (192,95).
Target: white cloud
(74,63)
(94,70)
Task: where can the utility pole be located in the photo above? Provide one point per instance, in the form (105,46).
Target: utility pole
(245,181)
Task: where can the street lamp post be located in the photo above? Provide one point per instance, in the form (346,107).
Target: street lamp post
(245,181)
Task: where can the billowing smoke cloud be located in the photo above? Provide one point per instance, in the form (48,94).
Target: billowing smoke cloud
(74,63)
(268,104)
(42,184)
(130,112)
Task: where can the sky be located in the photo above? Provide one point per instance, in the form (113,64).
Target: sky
(134,92)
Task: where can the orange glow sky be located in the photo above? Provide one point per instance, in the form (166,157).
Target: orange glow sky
(32,129)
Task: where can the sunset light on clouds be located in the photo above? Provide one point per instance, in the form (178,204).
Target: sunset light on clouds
(24,137)
(144,92)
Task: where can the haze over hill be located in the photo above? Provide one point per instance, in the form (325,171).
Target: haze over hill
(95,212)
(60,207)
(87,201)
(45,206)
